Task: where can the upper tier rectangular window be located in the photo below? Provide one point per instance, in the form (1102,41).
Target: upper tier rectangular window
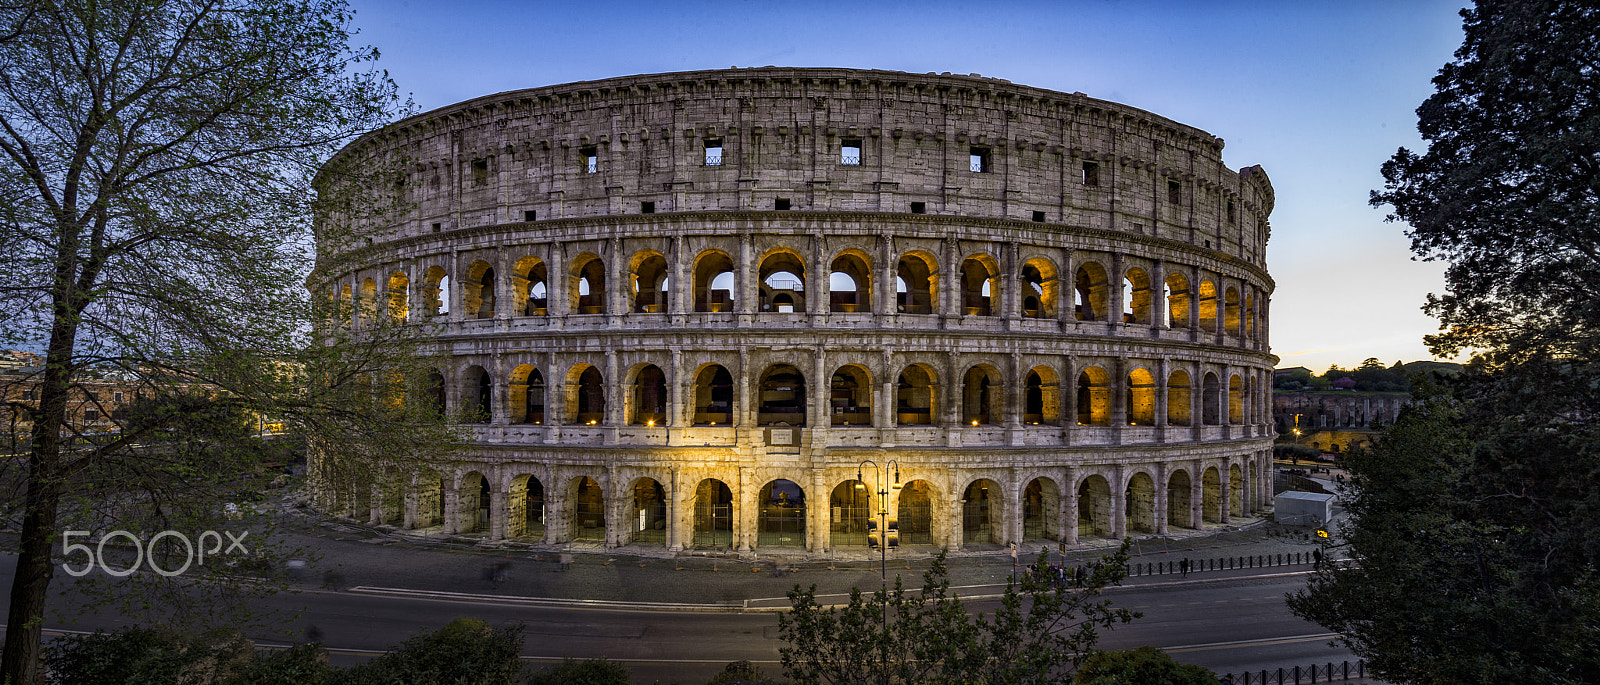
(850,152)
(978,160)
(713,152)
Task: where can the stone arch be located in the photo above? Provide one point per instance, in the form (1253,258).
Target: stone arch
(1179,502)
(1208,305)
(472,504)
(1094,507)
(982,396)
(1232,320)
(1177,301)
(1235,399)
(435,286)
(525,508)
(587,511)
(586,285)
(526,395)
(1141,398)
(714,282)
(647,518)
(391,493)
(782,396)
(782,282)
(585,395)
(983,513)
(1210,400)
(1178,399)
(1041,509)
(781,514)
(980,285)
(713,396)
(1039,286)
(433,391)
(367,307)
(1235,491)
(850,396)
(399,300)
(530,290)
(1211,495)
(648,282)
(915,512)
(1092,292)
(478,387)
(713,514)
(1136,297)
(647,396)
(1141,503)
(1094,397)
(430,491)
(1041,403)
(1249,316)
(850,506)
(850,282)
(915,396)
(916,289)
(477,291)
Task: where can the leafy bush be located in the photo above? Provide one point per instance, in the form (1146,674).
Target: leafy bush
(465,652)
(586,672)
(137,656)
(1142,666)
(740,673)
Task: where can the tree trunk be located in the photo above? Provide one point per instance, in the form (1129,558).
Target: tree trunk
(20,661)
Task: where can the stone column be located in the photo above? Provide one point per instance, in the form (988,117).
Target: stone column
(497,513)
(745,512)
(1067,516)
(452,498)
(820,284)
(1119,393)
(817,517)
(1158,297)
(681,290)
(1119,509)
(619,293)
(746,277)
(1161,498)
(1067,293)
(1015,512)
(886,290)
(558,282)
(1226,495)
(1197,495)
(1117,276)
(1194,303)
(676,515)
(1010,296)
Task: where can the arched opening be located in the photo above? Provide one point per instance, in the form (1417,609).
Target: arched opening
(1178,399)
(1235,491)
(1136,297)
(1179,504)
(1094,397)
(526,516)
(1141,503)
(915,513)
(649,398)
(783,397)
(588,509)
(521,403)
(713,283)
(850,505)
(850,397)
(850,284)
(472,503)
(433,392)
(649,283)
(1231,319)
(783,283)
(1041,404)
(1039,289)
(980,396)
(713,514)
(531,291)
(1092,293)
(914,397)
(782,515)
(1250,317)
(980,285)
(914,285)
(1177,301)
(587,285)
(713,397)
(533,402)
(1211,496)
(1094,508)
(435,291)
(480,394)
(1141,398)
(367,307)
(1208,306)
(1041,510)
(399,305)
(430,502)
(477,291)
(586,396)
(982,513)
(1211,400)
(1235,400)
(649,513)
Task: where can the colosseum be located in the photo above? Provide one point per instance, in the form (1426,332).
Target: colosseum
(745,311)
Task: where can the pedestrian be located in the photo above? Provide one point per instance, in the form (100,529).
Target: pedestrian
(1227,679)
(1184,566)
(1316,558)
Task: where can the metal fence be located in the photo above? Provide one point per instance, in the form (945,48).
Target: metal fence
(1295,675)
(1156,568)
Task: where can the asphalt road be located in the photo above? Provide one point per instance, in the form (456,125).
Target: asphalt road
(1223,624)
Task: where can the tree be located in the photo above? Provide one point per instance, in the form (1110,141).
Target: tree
(1473,522)
(156,159)
(1141,666)
(1042,629)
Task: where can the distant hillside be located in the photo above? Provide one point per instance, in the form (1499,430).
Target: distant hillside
(1442,367)
(1370,376)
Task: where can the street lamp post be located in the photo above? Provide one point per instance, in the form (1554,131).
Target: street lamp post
(882,474)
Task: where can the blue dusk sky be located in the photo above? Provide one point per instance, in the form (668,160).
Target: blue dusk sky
(1317,93)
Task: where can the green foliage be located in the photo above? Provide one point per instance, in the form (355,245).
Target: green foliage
(581,672)
(304,664)
(1292,452)
(1141,666)
(140,656)
(465,652)
(1040,631)
(740,673)
(1291,380)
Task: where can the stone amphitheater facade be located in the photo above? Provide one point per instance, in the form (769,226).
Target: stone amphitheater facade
(700,310)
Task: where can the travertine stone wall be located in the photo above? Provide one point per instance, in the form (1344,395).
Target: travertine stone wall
(1052,306)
